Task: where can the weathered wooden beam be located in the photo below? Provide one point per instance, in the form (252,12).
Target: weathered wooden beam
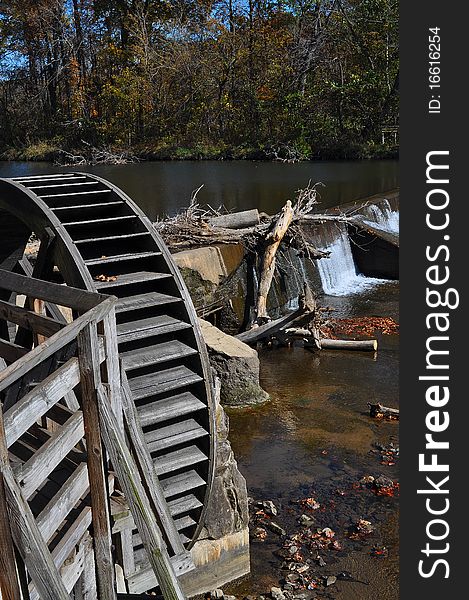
(29,319)
(66,546)
(72,537)
(88,356)
(63,295)
(22,415)
(27,537)
(147,470)
(9,585)
(85,588)
(128,476)
(50,454)
(60,505)
(42,269)
(257,333)
(53,344)
(73,569)
(111,368)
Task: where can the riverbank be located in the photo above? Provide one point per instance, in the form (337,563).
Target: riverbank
(55,151)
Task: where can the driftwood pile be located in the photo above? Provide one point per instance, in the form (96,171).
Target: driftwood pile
(262,235)
(197,227)
(95,156)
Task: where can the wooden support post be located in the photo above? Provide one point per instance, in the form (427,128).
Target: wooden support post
(9,586)
(88,357)
(128,475)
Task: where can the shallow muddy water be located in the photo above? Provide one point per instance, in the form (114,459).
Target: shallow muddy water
(315,437)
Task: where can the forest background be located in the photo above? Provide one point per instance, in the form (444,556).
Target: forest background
(184,79)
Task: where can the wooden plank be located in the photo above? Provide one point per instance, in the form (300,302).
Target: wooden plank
(63,295)
(52,345)
(174,435)
(57,176)
(158,353)
(57,185)
(85,589)
(147,470)
(80,206)
(145,579)
(140,301)
(158,325)
(163,381)
(9,584)
(11,352)
(169,408)
(29,319)
(87,193)
(63,502)
(127,473)
(127,548)
(111,367)
(72,537)
(42,269)
(21,416)
(176,507)
(177,484)
(179,459)
(31,545)
(98,221)
(120,258)
(72,570)
(184,504)
(132,278)
(90,379)
(50,454)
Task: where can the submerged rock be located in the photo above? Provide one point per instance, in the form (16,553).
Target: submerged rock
(237,366)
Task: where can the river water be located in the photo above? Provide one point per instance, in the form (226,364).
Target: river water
(314,437)
(165,187)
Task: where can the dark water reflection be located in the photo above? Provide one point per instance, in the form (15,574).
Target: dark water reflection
(165,187)
(315,434)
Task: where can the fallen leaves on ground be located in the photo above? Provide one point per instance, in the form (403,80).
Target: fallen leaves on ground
(359,326)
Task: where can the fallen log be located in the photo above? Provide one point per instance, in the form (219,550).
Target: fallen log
(378,411)
(238,220)
(262,331)
(364,345)
(272,240)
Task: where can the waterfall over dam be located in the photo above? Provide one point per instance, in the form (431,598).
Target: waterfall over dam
(359,256)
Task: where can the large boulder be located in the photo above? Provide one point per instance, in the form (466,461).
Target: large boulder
(236,365)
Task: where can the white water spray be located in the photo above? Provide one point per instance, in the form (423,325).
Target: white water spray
(381,216)
(339,275)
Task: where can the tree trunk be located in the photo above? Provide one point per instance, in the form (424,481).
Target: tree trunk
(273,240)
